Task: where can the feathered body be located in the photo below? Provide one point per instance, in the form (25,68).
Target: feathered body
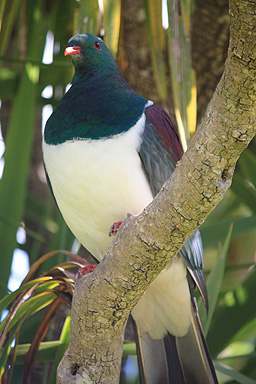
(107,152)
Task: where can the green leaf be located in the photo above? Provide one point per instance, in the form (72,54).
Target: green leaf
(29,307)
(46,351)
(156,39)
(112,19)
(182,74)
(235,311)
(8,83)
(62,346)
(2,6)
(232,374)
(6,301)
(214,231)
(4,354)
(214,284)
(18,151)
(246,332)
(247,163)
(129,348)
(245,191)
(88,17)
(8,17)
(6,350)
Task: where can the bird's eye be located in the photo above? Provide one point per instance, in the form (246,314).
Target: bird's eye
(97,45)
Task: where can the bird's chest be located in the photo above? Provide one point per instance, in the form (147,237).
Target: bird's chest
(96,183)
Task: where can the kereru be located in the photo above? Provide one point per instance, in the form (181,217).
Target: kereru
(107,152)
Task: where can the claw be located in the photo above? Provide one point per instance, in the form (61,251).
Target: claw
(84,270)
(114,228)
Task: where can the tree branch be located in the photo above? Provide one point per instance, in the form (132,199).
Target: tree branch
(145,244)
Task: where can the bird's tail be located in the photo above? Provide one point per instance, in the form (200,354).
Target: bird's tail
(176,360)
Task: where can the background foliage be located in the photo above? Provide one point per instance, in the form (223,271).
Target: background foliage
(161,64)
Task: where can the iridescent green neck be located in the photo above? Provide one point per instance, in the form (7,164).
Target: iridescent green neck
(98,107)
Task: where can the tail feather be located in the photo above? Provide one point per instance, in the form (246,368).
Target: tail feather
(176,360)
(175,372)
(152,360)
(194,356)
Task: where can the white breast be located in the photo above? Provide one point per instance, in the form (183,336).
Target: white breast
(166,305)
(96,183)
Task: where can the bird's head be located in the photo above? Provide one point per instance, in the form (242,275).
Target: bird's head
(90,56)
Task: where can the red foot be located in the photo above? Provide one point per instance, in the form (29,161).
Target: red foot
(84,270)
(114,228)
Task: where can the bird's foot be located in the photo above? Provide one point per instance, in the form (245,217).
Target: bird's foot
(84,270)
(115,227)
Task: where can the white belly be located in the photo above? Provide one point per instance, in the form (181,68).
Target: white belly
(166,304)
(96,183)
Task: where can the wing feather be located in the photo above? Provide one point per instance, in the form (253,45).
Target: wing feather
(160,150)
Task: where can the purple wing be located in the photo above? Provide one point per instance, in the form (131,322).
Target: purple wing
(165,128)
(160,150)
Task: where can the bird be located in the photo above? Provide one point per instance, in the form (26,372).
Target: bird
(107,152)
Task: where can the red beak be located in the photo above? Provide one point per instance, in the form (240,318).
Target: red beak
(72,51)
